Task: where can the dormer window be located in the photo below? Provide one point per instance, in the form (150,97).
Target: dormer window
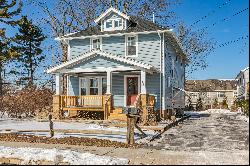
(96,43)
(118,23)
(113,24)
(109,24)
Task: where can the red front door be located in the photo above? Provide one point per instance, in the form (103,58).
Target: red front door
(132,90)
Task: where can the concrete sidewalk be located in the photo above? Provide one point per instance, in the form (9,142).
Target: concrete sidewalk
(149,156)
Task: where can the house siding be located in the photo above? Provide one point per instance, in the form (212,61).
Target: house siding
(114,44)
(176,81)
(78,47)
(149,49)
(153,87)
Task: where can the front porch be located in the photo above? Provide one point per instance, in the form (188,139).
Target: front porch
(102,96)
(103,83)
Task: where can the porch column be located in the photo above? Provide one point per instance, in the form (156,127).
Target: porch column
(143,82)
(58,84)
(109,82)
(56,113)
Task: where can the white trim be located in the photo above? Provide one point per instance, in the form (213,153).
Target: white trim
(126,46)
(143,82)
(125,87)
(164,73)
(58,84)
(109,82)
(94,53)
(116,34)
(111,9)
(97,69)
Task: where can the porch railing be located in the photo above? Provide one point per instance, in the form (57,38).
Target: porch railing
(81,101)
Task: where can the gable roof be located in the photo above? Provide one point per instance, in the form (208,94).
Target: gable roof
(108,11)
(95,52)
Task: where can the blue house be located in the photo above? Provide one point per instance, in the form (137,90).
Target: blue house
(121,62)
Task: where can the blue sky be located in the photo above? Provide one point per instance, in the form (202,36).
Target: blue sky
(224,62)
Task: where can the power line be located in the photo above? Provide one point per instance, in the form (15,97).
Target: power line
(206,16)
(225,19)
(210,13)
(230,42)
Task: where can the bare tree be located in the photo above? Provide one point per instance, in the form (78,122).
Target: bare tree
(69,16)
(195,45)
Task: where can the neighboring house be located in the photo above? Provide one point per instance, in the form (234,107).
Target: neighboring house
(124,57)
(209,90)
(243,84)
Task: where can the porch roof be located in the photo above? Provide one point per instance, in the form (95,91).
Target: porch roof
(90,54)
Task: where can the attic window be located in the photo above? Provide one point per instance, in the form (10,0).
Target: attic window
(113,24)
(109,24)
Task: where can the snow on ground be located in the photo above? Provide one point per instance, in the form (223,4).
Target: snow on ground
(15,125)
(31,155)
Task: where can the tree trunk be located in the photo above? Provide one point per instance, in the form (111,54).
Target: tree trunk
(1,80)
(64,59)
(31,72)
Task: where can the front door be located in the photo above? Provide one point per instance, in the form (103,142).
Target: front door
(132,90)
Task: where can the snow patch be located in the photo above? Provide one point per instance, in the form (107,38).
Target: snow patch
(31,155)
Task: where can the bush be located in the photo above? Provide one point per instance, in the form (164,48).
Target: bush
(26,102)
(244,104)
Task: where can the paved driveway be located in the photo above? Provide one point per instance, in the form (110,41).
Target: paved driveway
(217,132)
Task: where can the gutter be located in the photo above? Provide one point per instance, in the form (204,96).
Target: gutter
(107,35)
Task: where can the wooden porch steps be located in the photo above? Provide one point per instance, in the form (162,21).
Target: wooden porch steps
(117,110)
(117,116)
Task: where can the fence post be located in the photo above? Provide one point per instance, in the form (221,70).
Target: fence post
(51,127)
(130,129)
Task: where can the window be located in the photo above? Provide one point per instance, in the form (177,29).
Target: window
(96,43)
(235,93)
(93,86)
(104,86)
(83,86)
(221,94)
(114,24)
(169,81)
(172,73)
(131,46)
(109,24)
(118,23)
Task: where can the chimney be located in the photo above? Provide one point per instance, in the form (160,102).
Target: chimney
(153,17)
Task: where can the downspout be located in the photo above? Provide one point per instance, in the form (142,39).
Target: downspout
(160,74)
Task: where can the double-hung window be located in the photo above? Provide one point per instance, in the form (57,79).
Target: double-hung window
(104,86)
(93,86)
(83,86)
(131,46)
(96,43)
